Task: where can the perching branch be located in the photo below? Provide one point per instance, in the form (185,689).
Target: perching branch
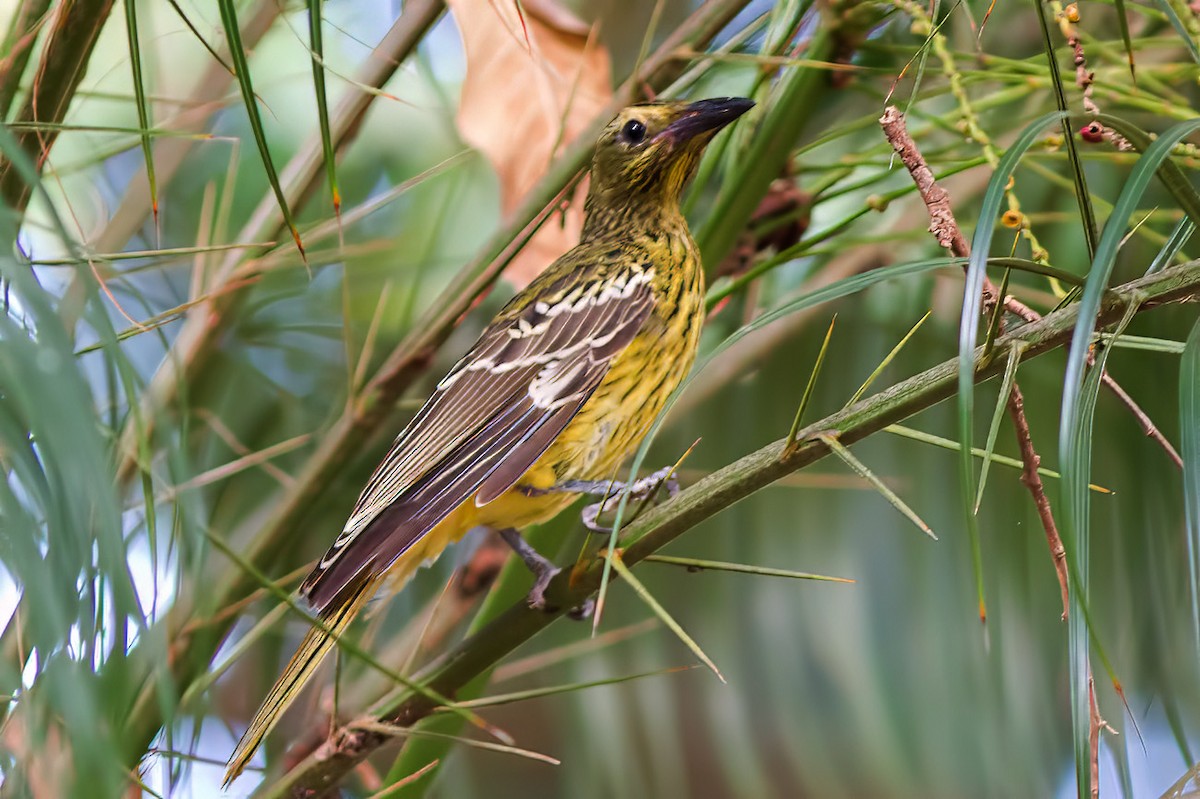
(350,744)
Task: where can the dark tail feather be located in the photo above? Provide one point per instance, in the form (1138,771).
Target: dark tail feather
(308,657)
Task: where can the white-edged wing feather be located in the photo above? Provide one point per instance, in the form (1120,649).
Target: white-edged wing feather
(487,422)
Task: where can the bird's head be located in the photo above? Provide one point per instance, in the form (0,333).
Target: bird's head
(647,154)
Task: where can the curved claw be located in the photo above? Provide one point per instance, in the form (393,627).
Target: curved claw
(591,516)
(537,594)
(583,611)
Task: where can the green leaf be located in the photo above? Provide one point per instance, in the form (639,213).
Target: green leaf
(1189,435)
(1169,12)
(1126,40)
(812,381)
(968,332)
(1086,212)
(978,452)
(1078,405)
(143,105)
(887,360)
(241,65)
(494,700)
(1006,384)
(416,732)
(318,68)
(1180,234)
(662,613)
(861,470)
(697,564)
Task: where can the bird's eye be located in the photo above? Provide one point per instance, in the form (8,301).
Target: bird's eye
(633,132)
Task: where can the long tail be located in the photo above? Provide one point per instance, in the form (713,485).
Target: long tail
(308,657)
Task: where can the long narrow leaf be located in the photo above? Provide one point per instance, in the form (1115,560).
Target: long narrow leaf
(143,105)
(1075,426)
(1126,39)
(416,732)
(1189,427)
(887,359)
(978,452)
(662,613)
(812,382)
(494,700)
(1086,212)
(861,470)
(317,46)
(698,564)
(1169,12)
(1180,234)
(1010,374)
(237,54)
(968,332)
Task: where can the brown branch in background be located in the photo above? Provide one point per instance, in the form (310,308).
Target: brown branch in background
(1085,78)
(17,47)
(779,222)
(946,230)
(1094,725)
(942,223)
(68,48)
(1148,427)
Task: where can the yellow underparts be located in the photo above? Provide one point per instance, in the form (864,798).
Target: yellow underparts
(592,447)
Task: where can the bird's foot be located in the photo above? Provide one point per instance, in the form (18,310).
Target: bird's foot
(641,490)
(543,570)
(610,491)
(537,594)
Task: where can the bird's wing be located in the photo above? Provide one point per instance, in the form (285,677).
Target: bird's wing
(487,422)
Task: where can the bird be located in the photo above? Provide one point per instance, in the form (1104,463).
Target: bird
(558,390)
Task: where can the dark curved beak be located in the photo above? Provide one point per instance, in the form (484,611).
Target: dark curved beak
(704,116)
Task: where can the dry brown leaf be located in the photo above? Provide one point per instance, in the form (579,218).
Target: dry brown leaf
(536,76)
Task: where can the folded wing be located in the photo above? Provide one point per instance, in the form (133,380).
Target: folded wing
(487,422)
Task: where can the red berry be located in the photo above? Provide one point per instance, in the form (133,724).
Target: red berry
(1092,132)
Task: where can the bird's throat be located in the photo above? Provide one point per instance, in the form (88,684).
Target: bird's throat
(630,218)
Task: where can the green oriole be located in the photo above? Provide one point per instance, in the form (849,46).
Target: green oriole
(555,394)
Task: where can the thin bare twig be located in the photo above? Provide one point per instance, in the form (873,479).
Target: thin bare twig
(1096,725)
(1018,308)
(948,234)
(1033,481)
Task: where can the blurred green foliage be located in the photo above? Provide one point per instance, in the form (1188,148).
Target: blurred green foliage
(117,658)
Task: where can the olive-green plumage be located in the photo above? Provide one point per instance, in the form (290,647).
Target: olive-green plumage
(560,387)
